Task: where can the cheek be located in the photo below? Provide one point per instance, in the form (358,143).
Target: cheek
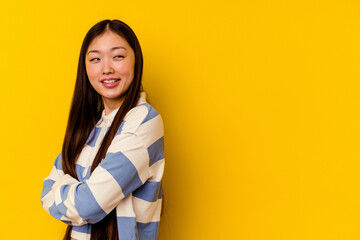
(126,68)
(123,68)
(91,72)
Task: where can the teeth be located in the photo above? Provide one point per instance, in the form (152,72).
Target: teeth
(110,81)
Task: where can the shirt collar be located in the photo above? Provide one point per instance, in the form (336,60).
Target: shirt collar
(110,117)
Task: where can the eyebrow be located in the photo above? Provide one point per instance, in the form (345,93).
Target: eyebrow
(112,49)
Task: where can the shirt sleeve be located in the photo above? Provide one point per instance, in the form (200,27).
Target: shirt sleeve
(124,169)
(47,197)
(48,201)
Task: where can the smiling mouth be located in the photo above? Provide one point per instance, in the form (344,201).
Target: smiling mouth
(110,81)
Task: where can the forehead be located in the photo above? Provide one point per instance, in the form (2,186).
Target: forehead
(107,41)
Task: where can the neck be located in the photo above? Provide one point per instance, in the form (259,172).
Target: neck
(111,104)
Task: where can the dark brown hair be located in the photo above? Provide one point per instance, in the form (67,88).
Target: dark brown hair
(86,109)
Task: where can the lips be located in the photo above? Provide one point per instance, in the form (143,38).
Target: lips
(110,82)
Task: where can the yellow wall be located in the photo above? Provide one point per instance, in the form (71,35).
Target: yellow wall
(260,100)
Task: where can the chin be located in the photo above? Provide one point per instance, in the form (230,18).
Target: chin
(113,97)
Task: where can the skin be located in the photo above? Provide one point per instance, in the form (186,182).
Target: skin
(110,56)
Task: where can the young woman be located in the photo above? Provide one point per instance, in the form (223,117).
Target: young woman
(106,183)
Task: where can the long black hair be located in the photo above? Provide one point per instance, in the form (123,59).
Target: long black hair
(86,110)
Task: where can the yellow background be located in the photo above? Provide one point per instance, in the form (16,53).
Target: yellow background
(260,100)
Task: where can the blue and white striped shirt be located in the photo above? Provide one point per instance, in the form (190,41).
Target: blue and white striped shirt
(128,178)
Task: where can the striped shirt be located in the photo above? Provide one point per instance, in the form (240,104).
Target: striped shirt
(128,178)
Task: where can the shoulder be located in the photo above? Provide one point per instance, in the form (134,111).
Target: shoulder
(141,113)
(143,120)
(142,128)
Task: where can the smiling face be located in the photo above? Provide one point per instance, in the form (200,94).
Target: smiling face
(110,65)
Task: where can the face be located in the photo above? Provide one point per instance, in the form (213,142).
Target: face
(110,65)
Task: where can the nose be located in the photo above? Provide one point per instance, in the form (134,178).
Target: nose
(107,67)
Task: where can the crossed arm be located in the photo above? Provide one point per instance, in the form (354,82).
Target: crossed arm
(123,170)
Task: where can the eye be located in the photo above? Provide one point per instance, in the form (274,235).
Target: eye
(94,59)
(119,57)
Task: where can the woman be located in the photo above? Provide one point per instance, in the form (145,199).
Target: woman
(106,183)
